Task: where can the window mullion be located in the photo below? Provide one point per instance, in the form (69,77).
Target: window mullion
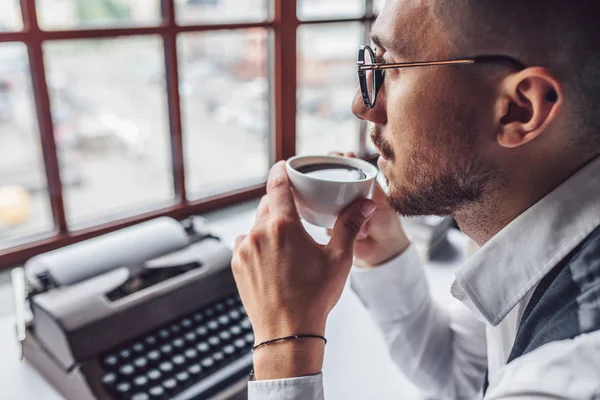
(42,103)
(369,8)
(286,24)
(174,100)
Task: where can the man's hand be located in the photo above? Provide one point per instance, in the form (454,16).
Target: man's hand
(289,283)
(382,237)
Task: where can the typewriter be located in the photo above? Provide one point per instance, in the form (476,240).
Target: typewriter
(148,312)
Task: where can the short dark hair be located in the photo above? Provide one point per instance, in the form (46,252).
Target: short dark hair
(562,35)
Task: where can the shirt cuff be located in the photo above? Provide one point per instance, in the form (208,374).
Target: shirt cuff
(302,388)
(392,290)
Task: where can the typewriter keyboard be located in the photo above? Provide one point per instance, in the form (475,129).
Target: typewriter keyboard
(185,359)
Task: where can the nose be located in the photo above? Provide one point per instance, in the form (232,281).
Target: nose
(376,114)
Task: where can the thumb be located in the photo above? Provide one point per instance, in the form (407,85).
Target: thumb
(348,225)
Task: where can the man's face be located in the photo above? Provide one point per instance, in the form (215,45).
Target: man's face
(434,126)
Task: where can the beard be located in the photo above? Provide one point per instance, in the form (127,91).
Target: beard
(442,192)
(440,178)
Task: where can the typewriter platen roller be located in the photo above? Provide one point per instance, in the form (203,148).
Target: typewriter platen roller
(169,326)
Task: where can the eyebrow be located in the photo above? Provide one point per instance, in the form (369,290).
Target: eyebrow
(380,42)
(377,40)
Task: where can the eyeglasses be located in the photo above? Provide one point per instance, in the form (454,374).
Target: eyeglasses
(371,74)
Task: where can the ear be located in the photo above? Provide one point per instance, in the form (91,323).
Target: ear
(530,101)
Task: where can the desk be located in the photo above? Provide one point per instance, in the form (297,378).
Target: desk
(356,362)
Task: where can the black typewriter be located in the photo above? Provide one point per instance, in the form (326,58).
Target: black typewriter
(150,312)
(190,358)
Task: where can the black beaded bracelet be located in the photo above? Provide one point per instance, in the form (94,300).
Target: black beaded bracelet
(293,337)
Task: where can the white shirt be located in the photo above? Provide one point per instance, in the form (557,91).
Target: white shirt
(445,352)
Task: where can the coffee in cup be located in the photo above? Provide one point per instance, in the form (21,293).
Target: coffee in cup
(333,172)
(324,185)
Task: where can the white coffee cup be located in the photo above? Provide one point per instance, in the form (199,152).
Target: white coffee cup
(320,201)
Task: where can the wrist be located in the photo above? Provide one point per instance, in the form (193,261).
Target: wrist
(285,325)
(289,359)
(386,253)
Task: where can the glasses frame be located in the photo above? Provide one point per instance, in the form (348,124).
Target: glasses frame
(378,75)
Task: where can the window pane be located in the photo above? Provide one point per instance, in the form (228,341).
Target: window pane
(24,205)
(378,6)
(191,12)
(225,98)
(111,125)
(326,9)
(10,16)
(327,82)
(62,14)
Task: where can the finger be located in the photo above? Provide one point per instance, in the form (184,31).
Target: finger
(350,154)
(363,234)
(279,192)
(238,241)
(335,154)
(262,213)
(347,227)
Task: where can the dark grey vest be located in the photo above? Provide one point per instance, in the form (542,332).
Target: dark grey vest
(565,304)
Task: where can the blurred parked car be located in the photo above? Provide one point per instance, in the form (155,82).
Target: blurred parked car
(77,127)
(108,132)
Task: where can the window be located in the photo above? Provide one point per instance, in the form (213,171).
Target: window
(327,9)
(111,126)
(224,88)
(326,87)
(69,14)
(379,6)
(24,205)
(10,16)
(113,112)
(190,12)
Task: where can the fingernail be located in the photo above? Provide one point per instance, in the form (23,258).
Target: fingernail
(367,209)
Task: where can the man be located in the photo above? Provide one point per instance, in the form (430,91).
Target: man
(507,141)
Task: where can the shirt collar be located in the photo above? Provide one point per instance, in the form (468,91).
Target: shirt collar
(497,277)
